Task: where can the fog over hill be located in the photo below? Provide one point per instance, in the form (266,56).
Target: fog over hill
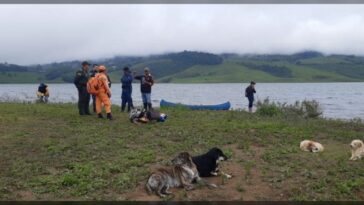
(39,34)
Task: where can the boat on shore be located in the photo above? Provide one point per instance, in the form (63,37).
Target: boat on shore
(223,106)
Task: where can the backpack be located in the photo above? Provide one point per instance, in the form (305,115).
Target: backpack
(157,116)
(153,115)
(93,85)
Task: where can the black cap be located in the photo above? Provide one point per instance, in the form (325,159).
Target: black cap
(126,68)
(252,82)
(85,63)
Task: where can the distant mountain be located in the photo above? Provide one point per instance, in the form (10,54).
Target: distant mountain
(5,67)
(202,67)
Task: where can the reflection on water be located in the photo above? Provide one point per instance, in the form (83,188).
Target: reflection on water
(339,100)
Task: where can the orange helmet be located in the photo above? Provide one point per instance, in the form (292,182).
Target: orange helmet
(101,68)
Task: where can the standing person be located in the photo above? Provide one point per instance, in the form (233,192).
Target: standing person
(126,86)
(249,93)
(43,93)
(104,93)
(146,83)
(93,74)
(80,81)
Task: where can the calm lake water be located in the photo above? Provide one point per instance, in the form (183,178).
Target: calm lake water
(338,100)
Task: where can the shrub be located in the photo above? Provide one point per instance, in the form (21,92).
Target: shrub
(306,109)
(311,109)
(267,108)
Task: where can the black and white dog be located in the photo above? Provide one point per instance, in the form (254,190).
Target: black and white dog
(208,164)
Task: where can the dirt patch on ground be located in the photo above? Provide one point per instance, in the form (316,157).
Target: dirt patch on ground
(246,183)
(26,195)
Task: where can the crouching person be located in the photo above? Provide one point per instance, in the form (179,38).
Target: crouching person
(104,93)
(43,93)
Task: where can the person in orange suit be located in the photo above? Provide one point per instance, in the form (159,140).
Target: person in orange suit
(104,93)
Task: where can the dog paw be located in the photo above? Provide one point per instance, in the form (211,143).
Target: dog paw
(213,186)
(228,176)
(214,173)
(190,187)
(162,195)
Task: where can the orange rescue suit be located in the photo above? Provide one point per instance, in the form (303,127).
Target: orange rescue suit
(104,94)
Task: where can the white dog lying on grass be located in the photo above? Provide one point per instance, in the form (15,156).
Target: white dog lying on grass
(311,146)
(357,149)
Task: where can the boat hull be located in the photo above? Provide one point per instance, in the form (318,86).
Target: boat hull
(223,106)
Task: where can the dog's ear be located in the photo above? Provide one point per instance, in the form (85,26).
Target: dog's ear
(360,144)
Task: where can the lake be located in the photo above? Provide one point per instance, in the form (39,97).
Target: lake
(338,100)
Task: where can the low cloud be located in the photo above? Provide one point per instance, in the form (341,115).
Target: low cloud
(33,34)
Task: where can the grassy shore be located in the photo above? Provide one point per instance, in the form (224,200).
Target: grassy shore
(48,152)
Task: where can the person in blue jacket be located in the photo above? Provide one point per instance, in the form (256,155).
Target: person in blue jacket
(126,86)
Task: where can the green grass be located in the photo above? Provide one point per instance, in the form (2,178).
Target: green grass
(49,151)
(232,71)
(226,72)
(324,60)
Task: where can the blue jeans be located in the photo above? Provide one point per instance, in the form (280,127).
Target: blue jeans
(146,98)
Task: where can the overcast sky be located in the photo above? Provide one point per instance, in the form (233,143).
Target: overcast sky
(32,34)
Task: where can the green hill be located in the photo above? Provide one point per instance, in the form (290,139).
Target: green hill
(199,67)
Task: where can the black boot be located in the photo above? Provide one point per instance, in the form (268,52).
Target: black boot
(145,106)
(149,106)
(122,108)
(100,115)
(109,116)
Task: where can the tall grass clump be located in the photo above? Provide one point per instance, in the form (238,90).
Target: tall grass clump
(268,108)
(305,109)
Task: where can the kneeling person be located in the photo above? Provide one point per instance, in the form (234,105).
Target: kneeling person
(43,93)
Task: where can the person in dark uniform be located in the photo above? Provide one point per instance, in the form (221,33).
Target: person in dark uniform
(126,86)
(93,74)
(80,81)
(249,93)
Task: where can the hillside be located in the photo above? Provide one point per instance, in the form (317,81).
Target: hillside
(199,67)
